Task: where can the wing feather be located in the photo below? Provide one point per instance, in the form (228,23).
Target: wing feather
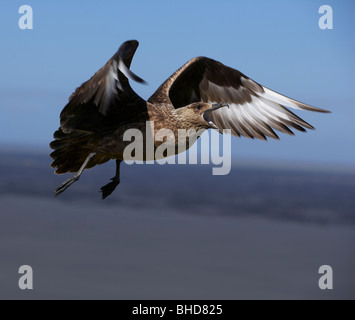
(254,111)
(106,98)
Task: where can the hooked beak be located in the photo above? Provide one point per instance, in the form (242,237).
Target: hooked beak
(216,106)
(207,113)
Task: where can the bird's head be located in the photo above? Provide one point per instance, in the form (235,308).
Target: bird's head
(196,115)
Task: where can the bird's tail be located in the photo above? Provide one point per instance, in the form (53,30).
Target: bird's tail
(71,150)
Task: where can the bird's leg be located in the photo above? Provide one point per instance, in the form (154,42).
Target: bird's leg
(74,178)
(108,188)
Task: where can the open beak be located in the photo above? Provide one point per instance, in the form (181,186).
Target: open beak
(216,106)
(206,115)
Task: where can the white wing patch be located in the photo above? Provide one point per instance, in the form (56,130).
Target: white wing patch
(278,98)
(258,118)
(111,85)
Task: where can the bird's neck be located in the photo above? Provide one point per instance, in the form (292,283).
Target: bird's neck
(167,117)
(182,120)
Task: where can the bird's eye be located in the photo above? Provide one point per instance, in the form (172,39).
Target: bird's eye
(199,107)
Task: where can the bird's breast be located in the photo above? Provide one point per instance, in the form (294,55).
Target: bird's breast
(146,142)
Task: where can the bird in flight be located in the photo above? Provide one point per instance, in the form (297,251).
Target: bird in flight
(202,94)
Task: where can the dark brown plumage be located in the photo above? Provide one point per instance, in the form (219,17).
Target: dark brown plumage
(202,94)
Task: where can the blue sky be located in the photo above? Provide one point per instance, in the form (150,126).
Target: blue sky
(277,43)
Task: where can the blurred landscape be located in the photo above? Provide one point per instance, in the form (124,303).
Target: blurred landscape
(176,231)
(302,194)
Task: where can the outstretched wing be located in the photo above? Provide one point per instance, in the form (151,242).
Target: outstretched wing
(254,111)
(107,98)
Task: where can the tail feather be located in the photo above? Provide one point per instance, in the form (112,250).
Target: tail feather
(71,150)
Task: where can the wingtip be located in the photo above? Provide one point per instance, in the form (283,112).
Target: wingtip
(143,82)
(133,41)
(128,73)
(289,102)
(126,52)
(311,108)
(130,43)
(325,111)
